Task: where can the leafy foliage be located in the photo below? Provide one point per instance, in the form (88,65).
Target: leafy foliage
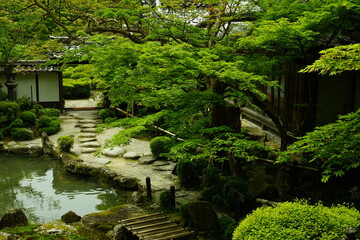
(333,147)
(297,220)
(65,143)
(337,60)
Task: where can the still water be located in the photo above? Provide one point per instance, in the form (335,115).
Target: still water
(46,191)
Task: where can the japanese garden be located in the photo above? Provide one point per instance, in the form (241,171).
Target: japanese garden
(209,120)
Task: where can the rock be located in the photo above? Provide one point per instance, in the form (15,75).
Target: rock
(101,161)
(88,121)
(90,144)
(83,140)
(87,135)
(36,151)
(161,163)
(47,145)
(136,198)
(127,183)
(107,220)
(18,149)
(56,228)
(13,218)
(146,160)
(88,125)
(166,168)
(121,233)
(70,217)
(6,236)
(131,155)
(88,130)
(114,152)
(88,150)
(203,216)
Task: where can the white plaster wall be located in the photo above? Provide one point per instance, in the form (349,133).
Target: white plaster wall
(27,85)
(48,87)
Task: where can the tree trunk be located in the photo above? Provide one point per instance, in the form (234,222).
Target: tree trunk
(223,112)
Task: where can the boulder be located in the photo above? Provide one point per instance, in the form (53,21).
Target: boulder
(131,155)
(127,183)
(35,151)
(47,144)
(136,198)
(70,217)
(18,149)
(114,151)
(108,219)
(203,216)
(6,236)
(13,218)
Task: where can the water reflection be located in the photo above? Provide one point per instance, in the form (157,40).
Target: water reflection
(46,191)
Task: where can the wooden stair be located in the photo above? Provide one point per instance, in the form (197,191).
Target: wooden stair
(155,227)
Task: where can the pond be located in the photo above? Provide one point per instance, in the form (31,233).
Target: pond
(46,191)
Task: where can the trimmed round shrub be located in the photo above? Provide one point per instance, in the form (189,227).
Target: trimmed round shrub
(25,103)
(297,221)
(28,117)
(65,143)
(52,112)
(3,96)
(160,145)
(8,112)
(106,113)
(44,121)
(21,134)
(52,128)
(17,123)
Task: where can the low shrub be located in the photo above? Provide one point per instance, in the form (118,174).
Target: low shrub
(44,121)
(28,117)
(17,123)
(3,96)
(52,112)
(8,112)
(187,173)
(227,227)
(52,127)
(65,143)
(297,221)
(25,103)
(106,113)
(165,201)
(160,145)
(21,134)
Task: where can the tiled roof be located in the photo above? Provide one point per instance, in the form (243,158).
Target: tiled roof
(33,66)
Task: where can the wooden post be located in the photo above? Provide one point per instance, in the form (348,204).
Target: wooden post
(172,196)
(148,188)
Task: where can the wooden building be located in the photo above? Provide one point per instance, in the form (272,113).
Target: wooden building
(305,101)
(38,82)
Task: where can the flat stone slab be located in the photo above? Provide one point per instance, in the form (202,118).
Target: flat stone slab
(161,163)
(131,155)
(114,151)
(88,121)
(87,125)
(90,144)
(83,140)
(146,160)
(88,150)
(167,168)
(88,130)
(87,135)
(101,161)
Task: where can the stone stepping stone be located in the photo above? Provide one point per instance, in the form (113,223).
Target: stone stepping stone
(83,140)
(131,155)
(88,121)
(88,125)
(114,151)
(88,130)
(146,160)
(167,168)
(101,161)
(87,135)
(90,144)
(161,163)
(88,150)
